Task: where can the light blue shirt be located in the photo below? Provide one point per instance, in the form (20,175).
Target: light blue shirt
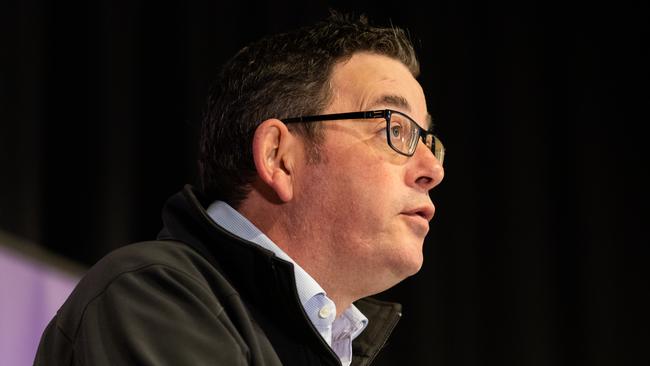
(337,332)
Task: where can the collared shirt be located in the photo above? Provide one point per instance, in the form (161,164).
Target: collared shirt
(338,332)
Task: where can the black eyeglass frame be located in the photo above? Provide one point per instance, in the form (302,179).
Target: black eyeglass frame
(428,137)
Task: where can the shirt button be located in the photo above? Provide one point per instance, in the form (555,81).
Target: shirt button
(324,312)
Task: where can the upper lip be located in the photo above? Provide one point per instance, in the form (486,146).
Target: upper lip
(425,211)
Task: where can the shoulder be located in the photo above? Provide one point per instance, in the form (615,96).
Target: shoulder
(135,256)
(138,273)
(147,300)
(145,257)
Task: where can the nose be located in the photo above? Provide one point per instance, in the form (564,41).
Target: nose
(425,171)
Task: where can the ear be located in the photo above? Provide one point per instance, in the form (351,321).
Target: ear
(274,149)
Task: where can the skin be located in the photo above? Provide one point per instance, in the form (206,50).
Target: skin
(356,220)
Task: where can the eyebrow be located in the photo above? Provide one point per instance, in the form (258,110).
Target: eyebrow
(392,100)
(397,101)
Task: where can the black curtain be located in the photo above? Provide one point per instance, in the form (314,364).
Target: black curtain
(538,252)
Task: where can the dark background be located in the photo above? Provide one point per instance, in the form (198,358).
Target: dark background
(538,252)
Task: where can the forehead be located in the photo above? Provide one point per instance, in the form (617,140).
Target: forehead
(370,81)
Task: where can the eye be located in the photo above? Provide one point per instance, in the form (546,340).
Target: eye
(396,131)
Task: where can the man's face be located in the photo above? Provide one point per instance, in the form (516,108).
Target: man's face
(365,203)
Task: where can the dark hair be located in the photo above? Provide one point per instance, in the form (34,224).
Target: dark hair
(280,76)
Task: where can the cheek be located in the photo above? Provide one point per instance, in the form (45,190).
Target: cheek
(376,181)
(369,193)
(361,187)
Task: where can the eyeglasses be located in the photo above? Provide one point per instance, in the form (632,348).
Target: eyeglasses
(402,132)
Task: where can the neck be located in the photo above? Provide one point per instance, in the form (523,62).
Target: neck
(298,236)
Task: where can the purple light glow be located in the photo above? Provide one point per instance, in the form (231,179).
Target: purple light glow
(30,294)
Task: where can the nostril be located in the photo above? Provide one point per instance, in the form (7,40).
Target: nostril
(424,180)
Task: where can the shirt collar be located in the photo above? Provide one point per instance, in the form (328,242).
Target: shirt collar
(230,219)
(184,210)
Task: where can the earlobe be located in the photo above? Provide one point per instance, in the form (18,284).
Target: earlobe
(273,146)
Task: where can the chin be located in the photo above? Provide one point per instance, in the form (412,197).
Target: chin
(408,265)
(415,267)
(392,273)
(414,258)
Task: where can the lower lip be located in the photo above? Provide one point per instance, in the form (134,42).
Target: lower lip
(421,224)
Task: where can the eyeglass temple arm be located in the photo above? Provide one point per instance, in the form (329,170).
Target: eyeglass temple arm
(337,116)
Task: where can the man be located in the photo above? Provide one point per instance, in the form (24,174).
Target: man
(316,162)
